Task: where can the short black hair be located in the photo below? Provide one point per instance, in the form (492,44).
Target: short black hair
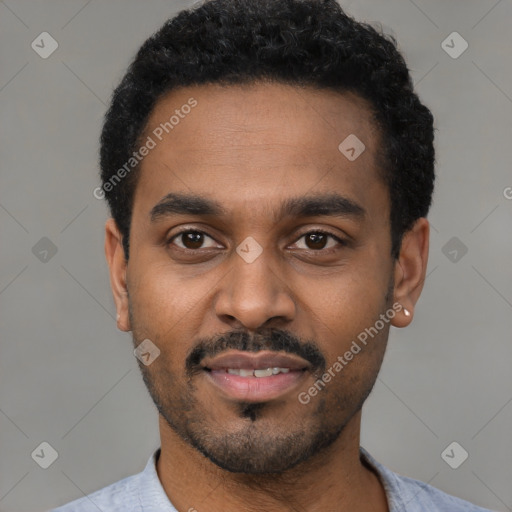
(295,42)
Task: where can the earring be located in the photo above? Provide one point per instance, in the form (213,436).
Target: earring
(407,312)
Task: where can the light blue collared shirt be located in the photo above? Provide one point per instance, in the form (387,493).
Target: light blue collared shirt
(143,492)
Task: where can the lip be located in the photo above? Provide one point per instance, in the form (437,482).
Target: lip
(263,359)
(255,389)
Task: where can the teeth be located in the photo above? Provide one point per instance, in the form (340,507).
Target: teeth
(263,373)
(260,372)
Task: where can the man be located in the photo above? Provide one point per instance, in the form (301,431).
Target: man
(269,171)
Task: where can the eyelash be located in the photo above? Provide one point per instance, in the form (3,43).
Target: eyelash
(315,231)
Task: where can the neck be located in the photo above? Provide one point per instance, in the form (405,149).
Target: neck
(334,479)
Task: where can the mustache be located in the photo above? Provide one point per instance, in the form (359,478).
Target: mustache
(276,340)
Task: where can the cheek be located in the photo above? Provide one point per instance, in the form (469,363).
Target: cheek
(160,295)
(349,300)
(352,368)
(168,309)
(348,311)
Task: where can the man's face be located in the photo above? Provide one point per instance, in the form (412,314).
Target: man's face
(202,295)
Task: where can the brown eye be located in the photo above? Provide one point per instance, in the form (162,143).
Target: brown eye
(191,240)
(318,241)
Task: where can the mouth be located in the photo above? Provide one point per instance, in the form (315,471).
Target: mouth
(248,372)
(257,377)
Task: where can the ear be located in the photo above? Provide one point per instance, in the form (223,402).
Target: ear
(410,270)
(117,267)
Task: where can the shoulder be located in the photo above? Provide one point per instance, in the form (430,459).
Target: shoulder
(418,496)
(409,495)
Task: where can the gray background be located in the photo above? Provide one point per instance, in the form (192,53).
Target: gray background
(69,377)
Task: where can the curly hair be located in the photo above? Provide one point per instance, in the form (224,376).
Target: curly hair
(296,42)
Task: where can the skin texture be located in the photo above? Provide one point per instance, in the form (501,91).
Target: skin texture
(250,148)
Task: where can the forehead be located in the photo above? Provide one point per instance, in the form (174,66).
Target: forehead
(254,142)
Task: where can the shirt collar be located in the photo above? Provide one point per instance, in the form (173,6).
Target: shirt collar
(153,497)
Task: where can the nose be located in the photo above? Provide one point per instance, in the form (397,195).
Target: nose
(254,294)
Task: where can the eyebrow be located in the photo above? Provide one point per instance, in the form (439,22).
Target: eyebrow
(330,205)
